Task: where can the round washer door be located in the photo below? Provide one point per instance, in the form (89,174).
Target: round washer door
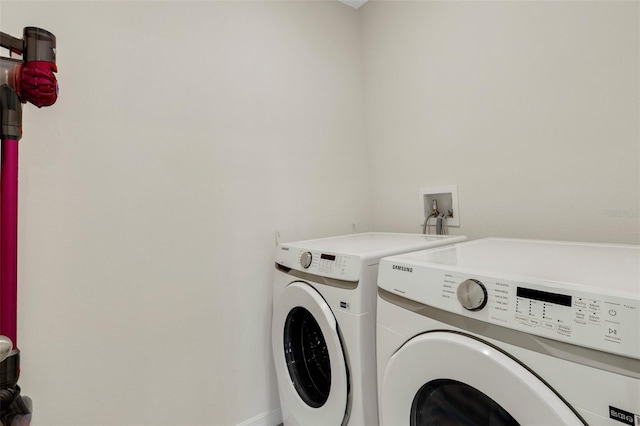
(450,378)
(309,359)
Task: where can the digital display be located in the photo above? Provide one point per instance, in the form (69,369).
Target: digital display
(328,257)
(543,296)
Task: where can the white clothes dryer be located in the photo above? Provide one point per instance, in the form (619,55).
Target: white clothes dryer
(323,326)
(510,332)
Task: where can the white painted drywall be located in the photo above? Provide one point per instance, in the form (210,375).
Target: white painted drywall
(531,108)
(185,134)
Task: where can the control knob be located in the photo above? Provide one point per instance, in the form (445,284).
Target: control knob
(305,259)
(472,295)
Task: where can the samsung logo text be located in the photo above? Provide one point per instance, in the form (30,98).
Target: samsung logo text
(402,268)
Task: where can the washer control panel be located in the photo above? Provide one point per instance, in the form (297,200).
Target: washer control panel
(586,318)
(325,264)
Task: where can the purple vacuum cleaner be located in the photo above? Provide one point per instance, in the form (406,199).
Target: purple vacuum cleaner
(31,79)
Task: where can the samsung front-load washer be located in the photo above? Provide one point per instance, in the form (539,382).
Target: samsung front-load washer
(324,325)
(508,332)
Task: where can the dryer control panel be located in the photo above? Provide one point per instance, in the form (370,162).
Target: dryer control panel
(324,264)
(572,314)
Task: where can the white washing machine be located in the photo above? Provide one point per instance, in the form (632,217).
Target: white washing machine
(508,332)
(324,325)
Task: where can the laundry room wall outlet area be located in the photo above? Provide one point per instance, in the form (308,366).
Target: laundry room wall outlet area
(440,201)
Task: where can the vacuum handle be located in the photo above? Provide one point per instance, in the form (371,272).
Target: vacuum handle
(36,45)
(15,45)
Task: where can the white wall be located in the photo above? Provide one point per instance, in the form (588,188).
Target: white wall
(531,108)
(185,134)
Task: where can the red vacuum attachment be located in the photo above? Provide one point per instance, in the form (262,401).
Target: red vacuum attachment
(33,78)
(38,84)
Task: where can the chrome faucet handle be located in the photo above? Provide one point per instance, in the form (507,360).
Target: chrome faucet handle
(5,347)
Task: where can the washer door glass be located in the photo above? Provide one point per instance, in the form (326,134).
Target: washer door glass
(450,402)
(307,357)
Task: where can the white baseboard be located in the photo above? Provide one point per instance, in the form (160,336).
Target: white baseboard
(270,418)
